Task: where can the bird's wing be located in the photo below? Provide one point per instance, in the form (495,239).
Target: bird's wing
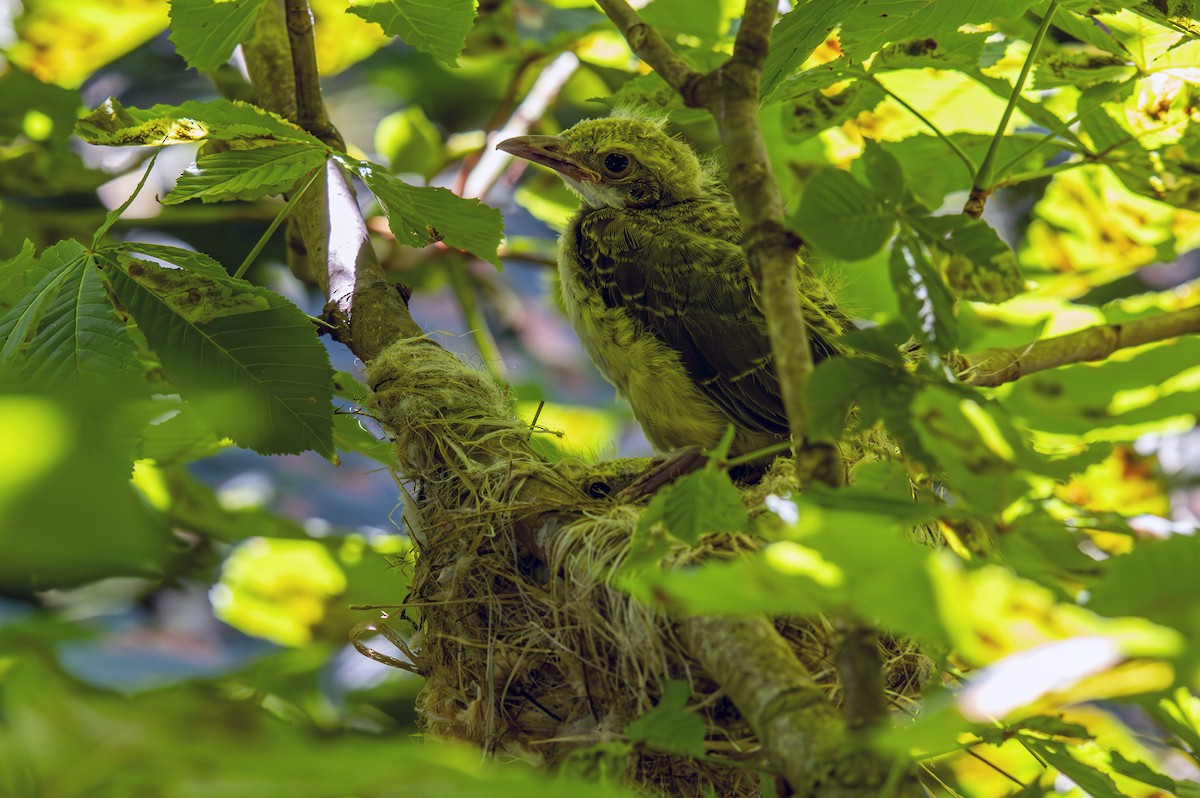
(693,290)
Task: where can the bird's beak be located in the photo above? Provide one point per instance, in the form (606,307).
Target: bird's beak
(548,151)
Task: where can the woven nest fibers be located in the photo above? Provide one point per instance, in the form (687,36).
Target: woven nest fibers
(527,647)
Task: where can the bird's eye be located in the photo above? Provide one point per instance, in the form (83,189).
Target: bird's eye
(617,164)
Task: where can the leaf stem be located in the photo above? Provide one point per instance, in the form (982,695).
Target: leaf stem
(758,454)
(1042,142)
(962,155)
(485,342)
(983,178)
(274,225)
(115,214)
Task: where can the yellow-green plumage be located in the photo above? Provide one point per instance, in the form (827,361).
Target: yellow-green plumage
(659,291)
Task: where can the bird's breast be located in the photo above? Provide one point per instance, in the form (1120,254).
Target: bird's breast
(650,375)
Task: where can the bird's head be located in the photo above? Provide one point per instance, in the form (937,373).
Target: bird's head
(618,162)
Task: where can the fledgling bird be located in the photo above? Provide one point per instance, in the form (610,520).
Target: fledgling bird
(657,286)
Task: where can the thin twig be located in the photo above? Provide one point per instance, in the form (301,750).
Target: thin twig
(962,155)
(997,366)
(492,162)
(274,225)
(982,188)
(481,332)
(310,108)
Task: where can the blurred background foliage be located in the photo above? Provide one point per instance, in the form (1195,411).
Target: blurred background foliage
(182,629)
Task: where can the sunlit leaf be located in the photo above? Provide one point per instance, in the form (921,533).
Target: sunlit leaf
(420,216)
(970,446)
(808,114)
(1058,756)
(277,589)
(222,120)
(206,31)
(247,174)
(868,28)
(439,29)
(1155,580)
(65,41)
(797,34)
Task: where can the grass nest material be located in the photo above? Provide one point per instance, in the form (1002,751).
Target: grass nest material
(527,648)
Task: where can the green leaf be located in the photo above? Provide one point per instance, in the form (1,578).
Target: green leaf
(248,360)
(933,171)
(802,84)
(926,304)
(410,142)
(841,216)
(423,215)
(58,264)
(439,29)
(979,265)
(349,436)
(651,90)
(695,505)
(782,579)
(113,124)
(22,95)
(816,111)
(176,256)
(181,438)
(205,32)
(870,26)
(949,50)
(669,726)
(68,514)
(883,173)
(19,275)
(878,560)
(702,503)
(247,174)
(1081,69)
(797,34)
(1156,580)
(835,386)
(1142,772)
(853,554)
(970,446)
(1082,399)
(1058,755)
(80,338)
(707,22)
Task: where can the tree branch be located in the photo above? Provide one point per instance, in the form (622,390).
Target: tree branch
(369,310)
(650,46)
(997,366)
(310,108)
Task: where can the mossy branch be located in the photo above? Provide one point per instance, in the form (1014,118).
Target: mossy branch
(997,366)
(368,311)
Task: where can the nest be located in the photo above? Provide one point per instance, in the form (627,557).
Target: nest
(527,648)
